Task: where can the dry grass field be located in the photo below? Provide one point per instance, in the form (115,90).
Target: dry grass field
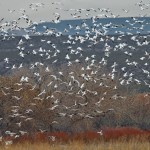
(79,145)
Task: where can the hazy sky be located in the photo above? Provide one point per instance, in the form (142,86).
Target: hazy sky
(46,12)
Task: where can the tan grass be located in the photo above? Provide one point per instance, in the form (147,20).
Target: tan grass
(79,145)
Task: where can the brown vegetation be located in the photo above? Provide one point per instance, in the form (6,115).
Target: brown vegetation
(111,139)
(103,105)
(79,145)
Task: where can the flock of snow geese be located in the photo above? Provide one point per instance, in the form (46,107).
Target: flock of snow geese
(76,86)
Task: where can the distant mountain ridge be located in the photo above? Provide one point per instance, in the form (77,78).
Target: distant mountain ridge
(104,26)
